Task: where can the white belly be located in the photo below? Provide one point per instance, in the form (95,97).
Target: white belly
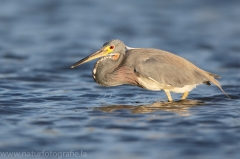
(153,85)
(186,88)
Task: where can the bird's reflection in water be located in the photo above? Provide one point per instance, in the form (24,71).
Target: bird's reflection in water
(179,107)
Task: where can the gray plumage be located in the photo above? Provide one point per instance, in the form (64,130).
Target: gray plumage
(152,69)
(166,68)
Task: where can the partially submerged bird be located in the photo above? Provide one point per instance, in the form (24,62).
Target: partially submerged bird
(148,68)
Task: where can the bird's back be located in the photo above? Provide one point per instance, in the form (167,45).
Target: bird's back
(166,68)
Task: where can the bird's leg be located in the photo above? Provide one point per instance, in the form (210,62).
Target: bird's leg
(168,95)
(184,96)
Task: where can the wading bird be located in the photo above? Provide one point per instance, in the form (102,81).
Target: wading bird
(148,68)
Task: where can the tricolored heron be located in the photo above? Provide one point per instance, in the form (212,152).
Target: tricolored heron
(148,68)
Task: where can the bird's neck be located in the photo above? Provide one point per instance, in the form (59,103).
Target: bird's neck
(104,68)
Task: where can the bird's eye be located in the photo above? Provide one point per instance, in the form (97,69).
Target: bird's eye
(111,47)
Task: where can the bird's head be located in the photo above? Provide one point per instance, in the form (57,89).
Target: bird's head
(111,48)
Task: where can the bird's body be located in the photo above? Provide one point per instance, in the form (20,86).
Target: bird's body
(148,68)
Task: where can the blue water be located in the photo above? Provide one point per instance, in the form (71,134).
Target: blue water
(47,107)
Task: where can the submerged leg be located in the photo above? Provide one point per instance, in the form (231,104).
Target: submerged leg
(168,95)
(184,96)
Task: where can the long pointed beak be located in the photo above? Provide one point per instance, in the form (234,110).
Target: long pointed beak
(99,53)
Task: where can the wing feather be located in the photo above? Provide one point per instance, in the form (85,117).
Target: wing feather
(166,68)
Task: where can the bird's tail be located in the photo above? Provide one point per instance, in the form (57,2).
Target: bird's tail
(213,75)
(212,79)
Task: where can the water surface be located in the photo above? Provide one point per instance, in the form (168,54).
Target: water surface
(46,106)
